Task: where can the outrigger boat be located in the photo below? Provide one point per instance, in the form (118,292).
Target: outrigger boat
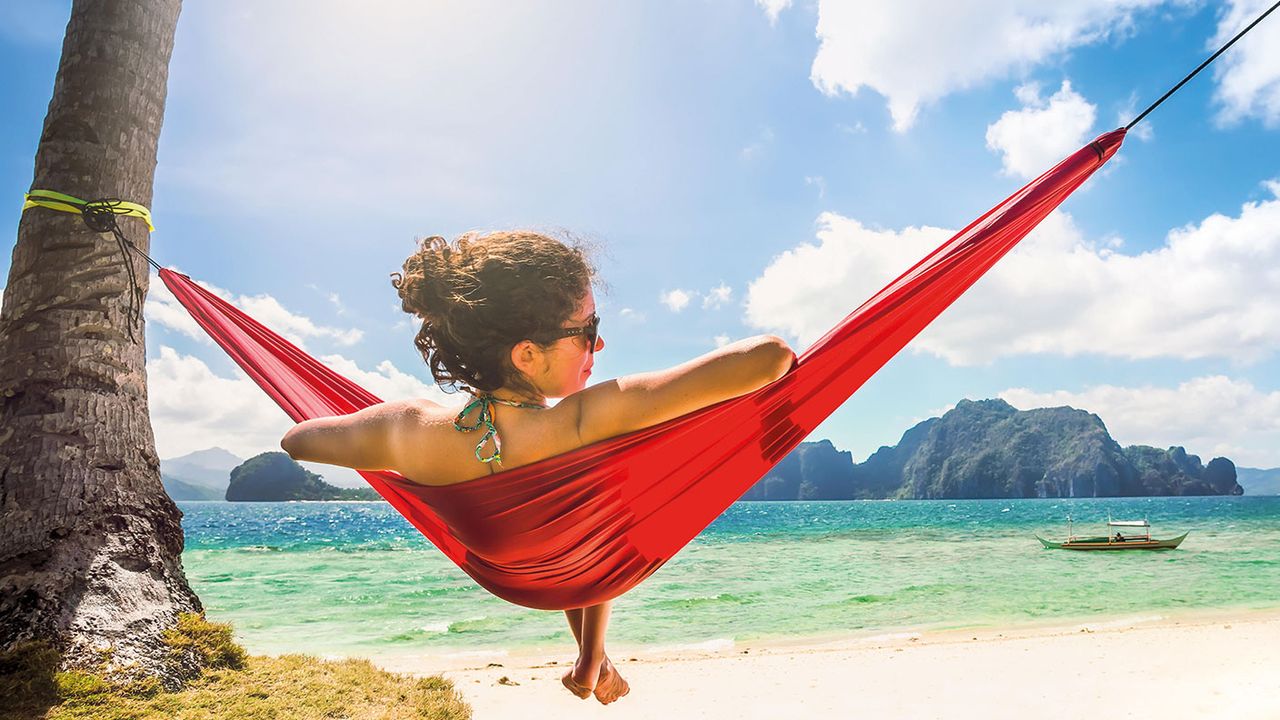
(1138,537)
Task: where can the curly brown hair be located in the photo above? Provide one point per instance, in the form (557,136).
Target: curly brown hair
(481,294)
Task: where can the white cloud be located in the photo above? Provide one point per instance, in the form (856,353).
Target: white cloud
(717,296)
(388,382)
(193,408)
(1210,416)
(1248,74)
(268,311)
(676,300)
(915,52)
(805,290)
(773,8)
(721,340)
(1211,291)
(164,309)
(631,315)
(1042,132)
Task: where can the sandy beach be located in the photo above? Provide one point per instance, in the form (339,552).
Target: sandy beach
(1201,665)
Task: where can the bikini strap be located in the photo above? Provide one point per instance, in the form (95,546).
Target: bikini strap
(485,403)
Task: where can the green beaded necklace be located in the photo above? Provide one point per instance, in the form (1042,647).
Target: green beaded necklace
(485,402)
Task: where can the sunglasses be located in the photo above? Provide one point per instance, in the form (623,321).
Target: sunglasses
(590,331)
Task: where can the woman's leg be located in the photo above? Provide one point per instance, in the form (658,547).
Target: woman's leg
(574,617)
(593,672)
(575,624)
(588,626)
(595,623)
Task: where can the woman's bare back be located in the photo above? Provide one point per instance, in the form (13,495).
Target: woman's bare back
(436,453)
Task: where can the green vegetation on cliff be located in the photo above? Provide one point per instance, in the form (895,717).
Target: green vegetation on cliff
(274,476)
(989,449)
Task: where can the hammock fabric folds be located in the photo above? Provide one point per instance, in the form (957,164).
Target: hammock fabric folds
(586,526)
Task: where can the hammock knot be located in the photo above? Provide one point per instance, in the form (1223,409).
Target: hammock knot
(100,215)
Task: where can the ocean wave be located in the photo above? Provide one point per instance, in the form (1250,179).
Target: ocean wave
(483,623)
(704,600)
(441,591)
(416,634)
(866,599)
(925,589)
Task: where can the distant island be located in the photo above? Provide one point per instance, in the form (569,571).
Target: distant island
(274,476)
(200,475)
(990,449)
(980,449)
(1259,482)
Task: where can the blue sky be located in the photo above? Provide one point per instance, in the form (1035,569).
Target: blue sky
(743,168)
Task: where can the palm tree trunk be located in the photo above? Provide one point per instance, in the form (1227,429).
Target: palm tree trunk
(90,544)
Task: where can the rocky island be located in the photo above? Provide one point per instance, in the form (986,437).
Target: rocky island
(274,476)
(979,449)
(990,449)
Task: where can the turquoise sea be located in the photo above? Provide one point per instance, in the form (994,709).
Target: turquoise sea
(355,578)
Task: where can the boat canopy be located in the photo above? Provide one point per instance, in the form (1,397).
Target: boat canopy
(1129,523)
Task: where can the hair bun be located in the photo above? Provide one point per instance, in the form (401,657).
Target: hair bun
(427,286)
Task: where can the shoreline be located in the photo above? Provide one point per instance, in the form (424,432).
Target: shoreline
(1192,664)
(456,659)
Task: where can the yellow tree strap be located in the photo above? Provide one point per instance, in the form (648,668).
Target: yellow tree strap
(66,203)
(100,216)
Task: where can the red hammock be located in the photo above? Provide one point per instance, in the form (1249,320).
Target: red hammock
(586,526)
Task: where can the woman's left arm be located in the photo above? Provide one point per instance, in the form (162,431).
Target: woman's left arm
(368,439)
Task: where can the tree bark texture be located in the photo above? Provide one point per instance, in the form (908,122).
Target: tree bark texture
(90,544)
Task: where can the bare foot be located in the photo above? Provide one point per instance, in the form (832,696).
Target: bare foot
(610,686)
(573,687)
(584,677)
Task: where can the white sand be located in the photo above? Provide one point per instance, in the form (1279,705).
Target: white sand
(1187,666)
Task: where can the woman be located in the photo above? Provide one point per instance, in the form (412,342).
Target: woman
(510,318)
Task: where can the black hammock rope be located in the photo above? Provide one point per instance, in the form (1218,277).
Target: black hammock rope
(100,216)
(1202,66)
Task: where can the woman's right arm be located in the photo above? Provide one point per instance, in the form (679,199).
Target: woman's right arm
(639,401)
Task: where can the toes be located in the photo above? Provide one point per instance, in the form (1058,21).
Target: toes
(611,685)
(572,686)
